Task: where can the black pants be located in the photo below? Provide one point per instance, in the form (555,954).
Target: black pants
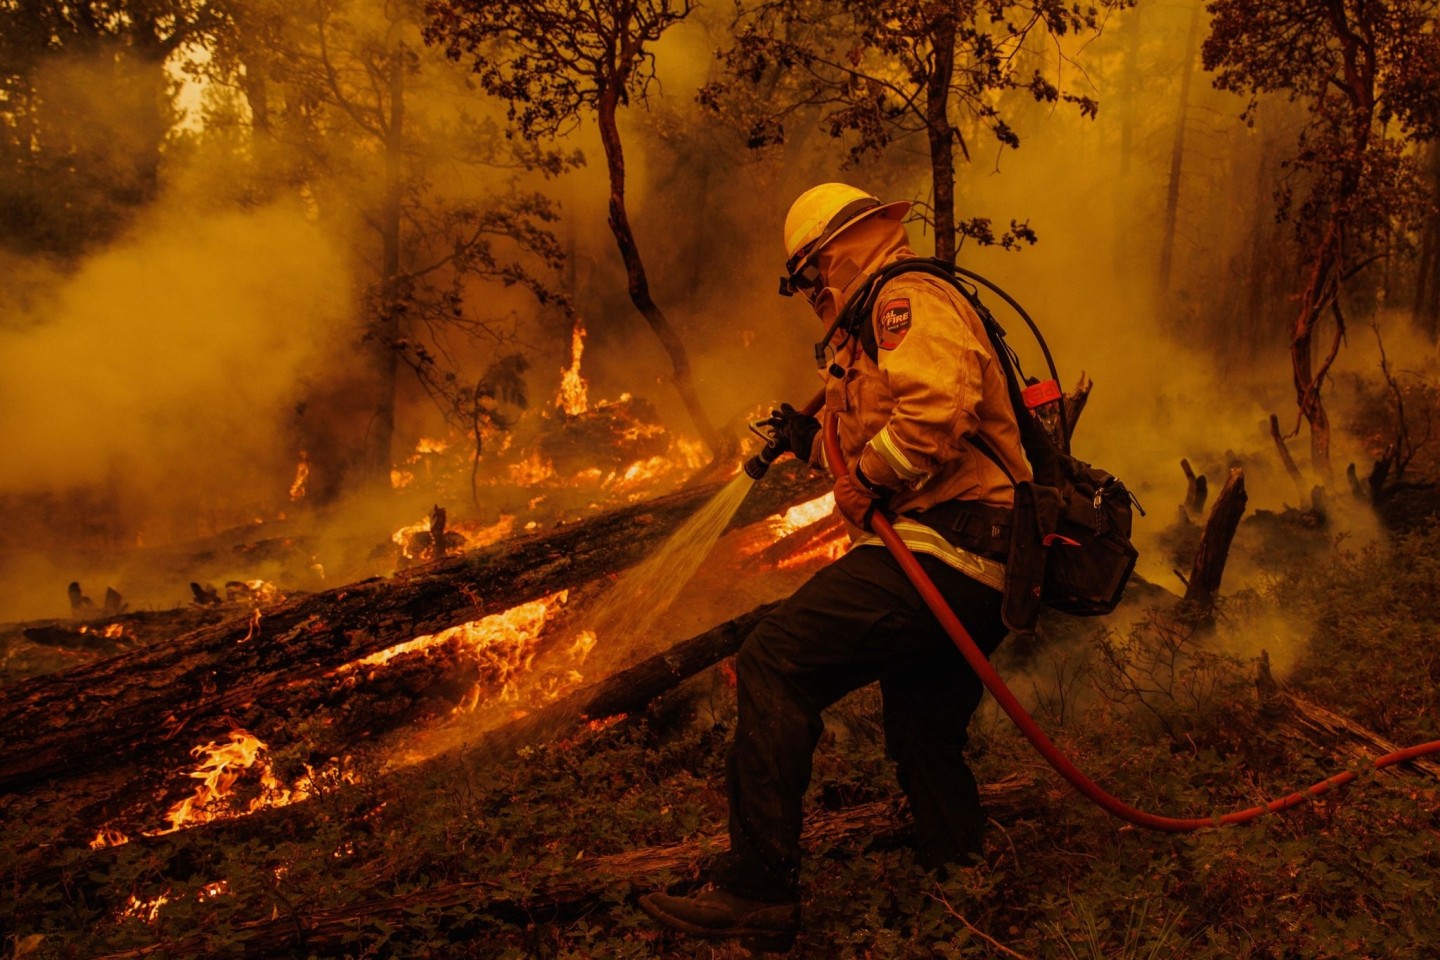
(856,621)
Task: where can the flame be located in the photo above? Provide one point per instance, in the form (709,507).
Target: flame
(503,644)
(803,514)
(691,454)
(534,469)
(405,535)
(831,546)
(148,910)
(806,533)
(254,625)
(111,631)
(221,765)
(639,473)
(400,479)
(584,643)
(595,726)
(145,910)
(108,837)
(224,764)
(573,398)
(302,473)
(216,888)
(482,536)
(254,591)
(432,445)
(642,431)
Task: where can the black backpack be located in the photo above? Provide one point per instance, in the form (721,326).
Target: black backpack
(1070,546)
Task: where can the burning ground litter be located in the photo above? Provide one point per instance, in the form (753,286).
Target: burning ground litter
(260,671)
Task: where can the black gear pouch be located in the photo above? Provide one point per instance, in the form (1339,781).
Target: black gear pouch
(1037,513)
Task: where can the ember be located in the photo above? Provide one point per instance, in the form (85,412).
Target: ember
(146,910)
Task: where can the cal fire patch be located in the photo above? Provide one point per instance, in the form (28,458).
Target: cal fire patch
(894,323)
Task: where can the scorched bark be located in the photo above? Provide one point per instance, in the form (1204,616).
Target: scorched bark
(120,710)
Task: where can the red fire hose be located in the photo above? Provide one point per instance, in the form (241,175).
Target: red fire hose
(1037,737)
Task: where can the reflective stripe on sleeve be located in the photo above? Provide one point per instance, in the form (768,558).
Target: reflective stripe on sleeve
(886,449)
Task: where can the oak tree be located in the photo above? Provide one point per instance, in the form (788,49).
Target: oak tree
(556,62)
(362,112)
(1368,74)
(881,74)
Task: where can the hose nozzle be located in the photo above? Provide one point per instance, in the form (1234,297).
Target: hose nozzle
(758,465)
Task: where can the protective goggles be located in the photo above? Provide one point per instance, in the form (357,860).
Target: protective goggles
(802,272)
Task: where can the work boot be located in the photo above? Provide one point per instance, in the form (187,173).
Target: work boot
(717,914)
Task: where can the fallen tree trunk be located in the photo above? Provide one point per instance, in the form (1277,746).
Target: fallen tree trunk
(1308,722)
(125,708)
(589,882)
(123,803)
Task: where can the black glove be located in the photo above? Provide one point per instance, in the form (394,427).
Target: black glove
(795,430)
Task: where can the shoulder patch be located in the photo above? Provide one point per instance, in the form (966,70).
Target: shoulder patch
(892,323)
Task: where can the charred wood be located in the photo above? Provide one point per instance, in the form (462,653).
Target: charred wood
(626,692)
(1197,489)
(1204,581)
(121,709)
(631,689)
(1075,402)
(1310,723)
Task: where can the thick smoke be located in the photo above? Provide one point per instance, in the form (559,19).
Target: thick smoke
(171,359)
(162,376)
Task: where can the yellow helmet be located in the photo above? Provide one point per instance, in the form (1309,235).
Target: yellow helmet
(821,213)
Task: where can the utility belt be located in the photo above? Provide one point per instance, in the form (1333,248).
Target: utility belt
(970,525)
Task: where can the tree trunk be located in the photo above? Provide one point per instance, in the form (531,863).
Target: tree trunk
(89,805)
(1205,575)
(639,283)
(154,701)
(1262,247)
(1177,148)
(941,134)
(1131,84)
(1427,277)
(1308,382)
(1310,724)
(1329,265)
(1292,471)
(385,332)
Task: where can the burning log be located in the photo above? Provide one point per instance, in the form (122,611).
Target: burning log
(630,690)
(109,723)
(626,692)
(585,883)
(1204,581)
(115,633)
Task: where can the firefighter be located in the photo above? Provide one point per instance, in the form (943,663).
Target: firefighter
(928,436)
